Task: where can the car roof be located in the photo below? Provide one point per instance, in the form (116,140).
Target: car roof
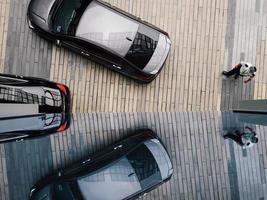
(114,180)
(107,27)
(118,184)
(12,109)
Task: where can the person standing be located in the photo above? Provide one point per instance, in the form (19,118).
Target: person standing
(244,69)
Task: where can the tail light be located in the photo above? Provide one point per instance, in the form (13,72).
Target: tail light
(62,88)
(62,127)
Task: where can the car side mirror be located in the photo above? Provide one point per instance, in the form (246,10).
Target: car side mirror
(142,195)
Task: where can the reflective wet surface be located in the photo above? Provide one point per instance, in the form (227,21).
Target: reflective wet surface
(206,166)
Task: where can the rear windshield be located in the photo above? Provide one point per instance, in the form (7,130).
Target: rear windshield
(143,46)
(141,50)
(145,166)
(15,95)
(48,99)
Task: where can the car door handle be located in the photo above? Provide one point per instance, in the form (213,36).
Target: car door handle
(117,147)
(86,161)
(84,53)
(131,174)
(129,39)
(116,66)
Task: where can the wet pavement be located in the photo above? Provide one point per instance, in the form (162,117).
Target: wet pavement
(206,166)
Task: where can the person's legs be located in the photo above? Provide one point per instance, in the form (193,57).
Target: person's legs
(234,71)
(234,137)
(237,132)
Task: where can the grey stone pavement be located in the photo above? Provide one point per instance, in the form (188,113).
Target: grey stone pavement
(206,166)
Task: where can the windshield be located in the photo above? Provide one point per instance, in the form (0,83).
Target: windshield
(143,46)
(66,191)
(145,166)
(67,16)
(49,100)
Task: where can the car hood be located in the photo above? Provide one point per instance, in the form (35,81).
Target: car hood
(159,56)
(39,11)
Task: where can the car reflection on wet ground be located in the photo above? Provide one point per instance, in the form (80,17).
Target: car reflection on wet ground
(206,165)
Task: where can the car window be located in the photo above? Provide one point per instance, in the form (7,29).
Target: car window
(141,50)
(145,166)
(31,95)
(65,15)
(16,95)
(161,156)
(96,50)
(66,18)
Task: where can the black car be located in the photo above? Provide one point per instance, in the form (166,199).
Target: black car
(30,107)
(103,33)
(125,170)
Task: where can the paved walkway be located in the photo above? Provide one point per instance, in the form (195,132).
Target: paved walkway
(4,14)
(207,37)
(190,79)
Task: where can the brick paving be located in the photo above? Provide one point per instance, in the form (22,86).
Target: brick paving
(190,79)
(207,36)
(4,13)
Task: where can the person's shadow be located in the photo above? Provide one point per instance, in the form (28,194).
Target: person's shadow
(245,137)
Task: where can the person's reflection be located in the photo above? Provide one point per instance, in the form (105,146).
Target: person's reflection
(245,138)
